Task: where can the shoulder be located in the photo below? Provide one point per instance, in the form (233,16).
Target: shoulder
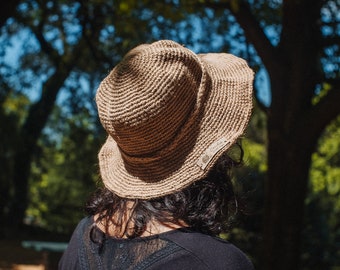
(212,251)
(70,259)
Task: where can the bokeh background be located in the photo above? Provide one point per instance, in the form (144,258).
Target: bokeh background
(53,54)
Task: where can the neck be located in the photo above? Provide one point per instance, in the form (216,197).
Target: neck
(152,228)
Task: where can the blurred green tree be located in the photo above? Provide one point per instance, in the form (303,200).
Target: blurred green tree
(296,41)
(59,41)
(321,225)
(64,170)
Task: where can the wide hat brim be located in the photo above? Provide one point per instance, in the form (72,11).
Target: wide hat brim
(223,118)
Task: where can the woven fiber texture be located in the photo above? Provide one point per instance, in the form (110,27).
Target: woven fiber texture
(169,114)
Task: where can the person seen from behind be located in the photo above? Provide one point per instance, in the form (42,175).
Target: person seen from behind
(171,116)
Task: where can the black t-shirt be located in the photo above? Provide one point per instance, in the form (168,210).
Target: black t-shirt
(180,249)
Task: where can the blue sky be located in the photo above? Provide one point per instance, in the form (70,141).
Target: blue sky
(13,53)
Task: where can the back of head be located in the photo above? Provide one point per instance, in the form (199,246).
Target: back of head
(169,114)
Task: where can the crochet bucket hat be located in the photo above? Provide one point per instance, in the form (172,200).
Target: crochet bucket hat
(169,114)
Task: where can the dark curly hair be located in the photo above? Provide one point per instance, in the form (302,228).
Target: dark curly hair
(206,206)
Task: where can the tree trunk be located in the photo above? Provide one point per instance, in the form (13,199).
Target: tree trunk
(37,119)
(290,146)
(287,180)
(29,135)
(294,121)
(21,173)
(8,138)
(291,137)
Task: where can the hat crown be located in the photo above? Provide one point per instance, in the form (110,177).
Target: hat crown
(147,98)
(170,114)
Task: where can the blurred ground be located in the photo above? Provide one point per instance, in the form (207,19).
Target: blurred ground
(14,257)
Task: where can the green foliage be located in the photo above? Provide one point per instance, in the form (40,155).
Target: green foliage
(322,233)
(256,141)
(82,40)
(249,186)
(64,172)
(12,113)
(63,44)
(325,170)
(322,93)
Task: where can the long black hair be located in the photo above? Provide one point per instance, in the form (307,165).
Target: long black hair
(207,205)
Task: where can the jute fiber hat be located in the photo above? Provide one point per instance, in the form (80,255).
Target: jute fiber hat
(169,114)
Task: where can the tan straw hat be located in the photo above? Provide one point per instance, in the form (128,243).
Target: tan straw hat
(170,114)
